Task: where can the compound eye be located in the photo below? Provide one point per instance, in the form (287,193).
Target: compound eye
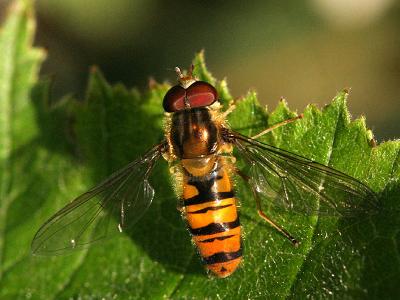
(174,99)
(201,94)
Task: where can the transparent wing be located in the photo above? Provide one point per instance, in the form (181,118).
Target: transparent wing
(124,197)
(292,182)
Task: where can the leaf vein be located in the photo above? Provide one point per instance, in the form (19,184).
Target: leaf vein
(71,277)
(317,221)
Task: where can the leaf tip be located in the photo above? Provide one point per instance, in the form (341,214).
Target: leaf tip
(152,83)
(200,69)
(283,105)
(94,69)
(250,96)
(346,91)
(224,94)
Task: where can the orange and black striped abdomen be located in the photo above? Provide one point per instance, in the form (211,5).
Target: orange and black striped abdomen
(213,219)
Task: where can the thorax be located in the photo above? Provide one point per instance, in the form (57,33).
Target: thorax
(193,134)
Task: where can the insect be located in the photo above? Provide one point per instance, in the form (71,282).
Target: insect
(199,147)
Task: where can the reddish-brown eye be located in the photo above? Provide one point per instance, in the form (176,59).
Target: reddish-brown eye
(198,94)
(201,94)
(174,99)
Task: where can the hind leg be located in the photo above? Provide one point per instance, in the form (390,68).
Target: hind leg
(281,230)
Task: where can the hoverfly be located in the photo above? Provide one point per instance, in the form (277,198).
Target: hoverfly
(199,146)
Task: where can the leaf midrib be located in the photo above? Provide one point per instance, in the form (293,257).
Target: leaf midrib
(317,221)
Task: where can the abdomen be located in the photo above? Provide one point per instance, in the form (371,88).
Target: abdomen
(211,213)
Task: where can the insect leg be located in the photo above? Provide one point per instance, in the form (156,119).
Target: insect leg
(286,234)
(230,109)
(277,125)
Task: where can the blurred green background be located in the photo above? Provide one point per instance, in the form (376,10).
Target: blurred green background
(304,51)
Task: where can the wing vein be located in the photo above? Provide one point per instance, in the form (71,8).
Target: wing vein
(89,217)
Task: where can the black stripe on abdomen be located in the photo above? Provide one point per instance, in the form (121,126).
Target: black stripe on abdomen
(215,228)
(213,208)
(221,257)
(219,238)
(208,196)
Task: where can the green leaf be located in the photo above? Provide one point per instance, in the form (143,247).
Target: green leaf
(49,155)
(18,70)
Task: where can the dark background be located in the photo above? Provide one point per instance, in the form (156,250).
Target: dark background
(305,51)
